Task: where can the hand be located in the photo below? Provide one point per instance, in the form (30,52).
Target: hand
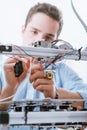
(41,83)
(11,80)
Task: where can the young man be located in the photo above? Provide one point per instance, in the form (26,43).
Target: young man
(43,22)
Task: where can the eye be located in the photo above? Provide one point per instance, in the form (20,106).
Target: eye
(48,38)
(34,32)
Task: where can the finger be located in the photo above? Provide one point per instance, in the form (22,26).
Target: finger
(10,60)
(36,75)
(17,58)
(42,82)
(35,60)
(9,67)
(35,67)
(23,75)
(43,88)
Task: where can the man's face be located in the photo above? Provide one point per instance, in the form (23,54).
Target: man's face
(40,27)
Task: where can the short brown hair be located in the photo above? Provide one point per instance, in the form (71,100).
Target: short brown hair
(47,9)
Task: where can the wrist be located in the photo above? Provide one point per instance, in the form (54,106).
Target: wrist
(56,94)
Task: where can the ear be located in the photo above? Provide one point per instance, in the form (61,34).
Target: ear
(23,29)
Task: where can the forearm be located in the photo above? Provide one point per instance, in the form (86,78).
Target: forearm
(65,94)
(6,95)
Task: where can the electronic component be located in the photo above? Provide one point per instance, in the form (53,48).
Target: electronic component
(18,68)
(6,48)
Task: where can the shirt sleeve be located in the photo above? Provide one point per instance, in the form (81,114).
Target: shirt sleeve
(70,80)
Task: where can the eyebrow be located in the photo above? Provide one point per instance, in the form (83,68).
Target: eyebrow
(51,35)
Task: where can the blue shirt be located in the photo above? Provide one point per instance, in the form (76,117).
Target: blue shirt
(64,77)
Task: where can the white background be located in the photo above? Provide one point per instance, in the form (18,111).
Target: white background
(13,14)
